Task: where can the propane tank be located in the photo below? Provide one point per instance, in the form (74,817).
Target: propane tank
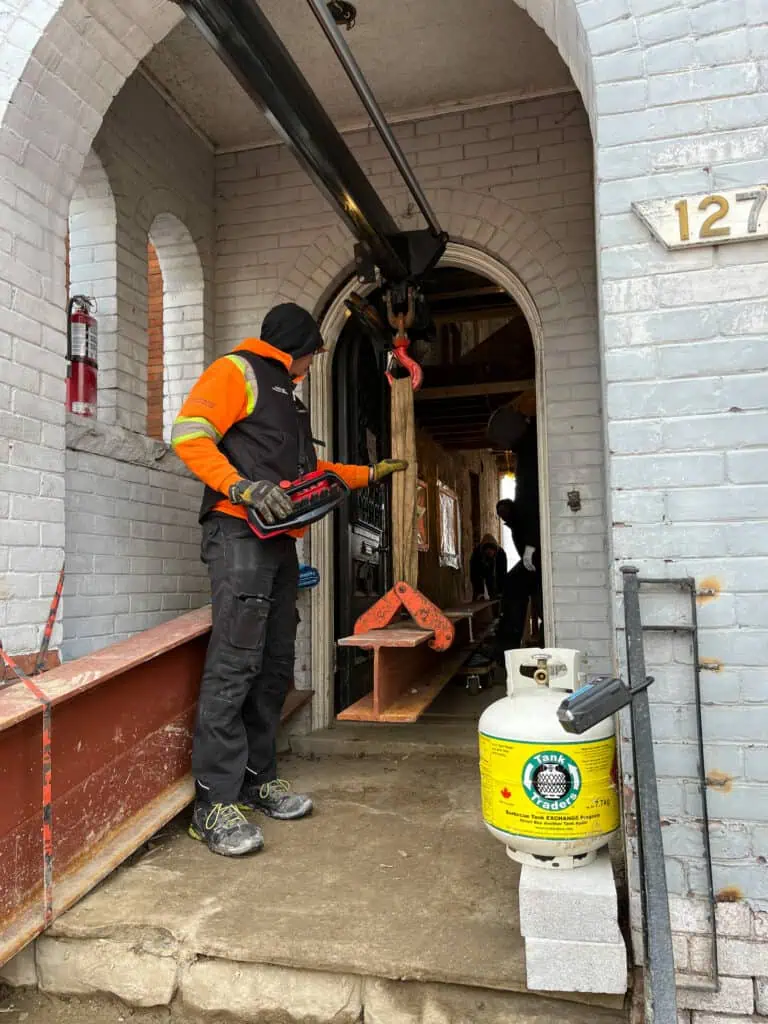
(82,356)
(550,796)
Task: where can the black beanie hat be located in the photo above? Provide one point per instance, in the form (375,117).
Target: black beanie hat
(291,329)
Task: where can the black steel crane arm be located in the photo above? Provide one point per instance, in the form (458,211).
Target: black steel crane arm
(245,40)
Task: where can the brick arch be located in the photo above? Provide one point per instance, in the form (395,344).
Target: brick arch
(493,238)
(471,218)
(184,342)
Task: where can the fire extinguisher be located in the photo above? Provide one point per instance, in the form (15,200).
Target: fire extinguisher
(82,356)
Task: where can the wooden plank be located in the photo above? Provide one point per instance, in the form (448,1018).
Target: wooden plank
(495,387)
(295,700)
(400,636)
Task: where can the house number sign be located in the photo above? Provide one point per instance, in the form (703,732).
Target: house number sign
(731,215)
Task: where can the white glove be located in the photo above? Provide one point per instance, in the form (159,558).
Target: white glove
(528,558)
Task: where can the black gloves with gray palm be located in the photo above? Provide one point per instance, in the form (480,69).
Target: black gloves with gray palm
(269,500)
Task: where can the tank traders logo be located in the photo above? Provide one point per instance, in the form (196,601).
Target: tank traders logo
(551,780)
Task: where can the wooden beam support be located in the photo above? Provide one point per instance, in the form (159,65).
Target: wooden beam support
(459,315)
(496,387)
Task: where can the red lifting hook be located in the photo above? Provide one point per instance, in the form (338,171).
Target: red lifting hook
(401,322)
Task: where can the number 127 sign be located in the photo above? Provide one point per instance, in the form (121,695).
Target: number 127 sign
(735,215)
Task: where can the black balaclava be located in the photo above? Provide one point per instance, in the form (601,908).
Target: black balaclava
(291,329)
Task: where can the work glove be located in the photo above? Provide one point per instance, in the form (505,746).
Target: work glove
(528,558)
(386,468)
(269,500)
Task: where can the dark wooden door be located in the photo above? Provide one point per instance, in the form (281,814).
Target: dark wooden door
(362,539)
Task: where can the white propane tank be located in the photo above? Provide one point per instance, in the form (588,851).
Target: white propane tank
(550,796)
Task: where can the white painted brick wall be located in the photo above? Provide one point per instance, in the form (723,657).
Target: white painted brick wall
(535,157)
(132,538)
(51,105)
(161,174)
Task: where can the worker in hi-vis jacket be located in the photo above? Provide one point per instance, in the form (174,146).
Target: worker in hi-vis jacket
(242,431)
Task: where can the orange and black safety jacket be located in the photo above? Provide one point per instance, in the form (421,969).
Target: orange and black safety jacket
(242,421)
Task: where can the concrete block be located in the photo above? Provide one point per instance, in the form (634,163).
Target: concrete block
(736,995)
(263,994)
(75,968)
(20,971)
(553,965)
(579,905)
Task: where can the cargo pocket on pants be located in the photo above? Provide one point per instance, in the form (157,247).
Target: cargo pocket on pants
(248,626)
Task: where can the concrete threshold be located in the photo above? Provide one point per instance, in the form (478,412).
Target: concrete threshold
(392,894)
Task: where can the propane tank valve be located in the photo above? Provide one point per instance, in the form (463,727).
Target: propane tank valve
(541,675)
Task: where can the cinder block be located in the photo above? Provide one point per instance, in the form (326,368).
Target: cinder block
(578,905)
(553,965)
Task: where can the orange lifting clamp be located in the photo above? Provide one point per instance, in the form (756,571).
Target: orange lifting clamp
(420,608)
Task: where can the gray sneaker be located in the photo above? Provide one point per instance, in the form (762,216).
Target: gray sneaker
(274,799)
(225,829)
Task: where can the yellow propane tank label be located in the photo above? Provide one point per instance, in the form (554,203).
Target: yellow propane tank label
(545,792)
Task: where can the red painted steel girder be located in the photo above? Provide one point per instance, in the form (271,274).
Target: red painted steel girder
(122,722)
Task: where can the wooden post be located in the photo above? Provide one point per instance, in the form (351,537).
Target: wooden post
(405,550)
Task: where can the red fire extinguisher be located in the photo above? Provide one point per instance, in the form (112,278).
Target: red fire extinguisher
(82,356)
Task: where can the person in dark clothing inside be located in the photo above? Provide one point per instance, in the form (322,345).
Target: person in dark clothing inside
(242,431)
(522,517)
(523,581)
(487,569)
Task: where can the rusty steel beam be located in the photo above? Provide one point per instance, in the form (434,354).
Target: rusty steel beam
(122,722)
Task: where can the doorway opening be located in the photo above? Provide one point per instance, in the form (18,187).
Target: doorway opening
(480,358)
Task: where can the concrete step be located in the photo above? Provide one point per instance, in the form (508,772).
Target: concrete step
(390,897)
(447,729)
(213,990)
(352,739)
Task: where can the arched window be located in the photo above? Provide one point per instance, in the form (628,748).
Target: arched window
(92,266)
(156,348)
(180,333)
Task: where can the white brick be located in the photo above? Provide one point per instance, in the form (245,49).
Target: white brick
(710,1018)
(573,905)
(557,966)
(743,959)
(761,996)
(736,996)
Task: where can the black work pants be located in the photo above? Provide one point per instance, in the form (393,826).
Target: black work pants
(519,587)
(249,665)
